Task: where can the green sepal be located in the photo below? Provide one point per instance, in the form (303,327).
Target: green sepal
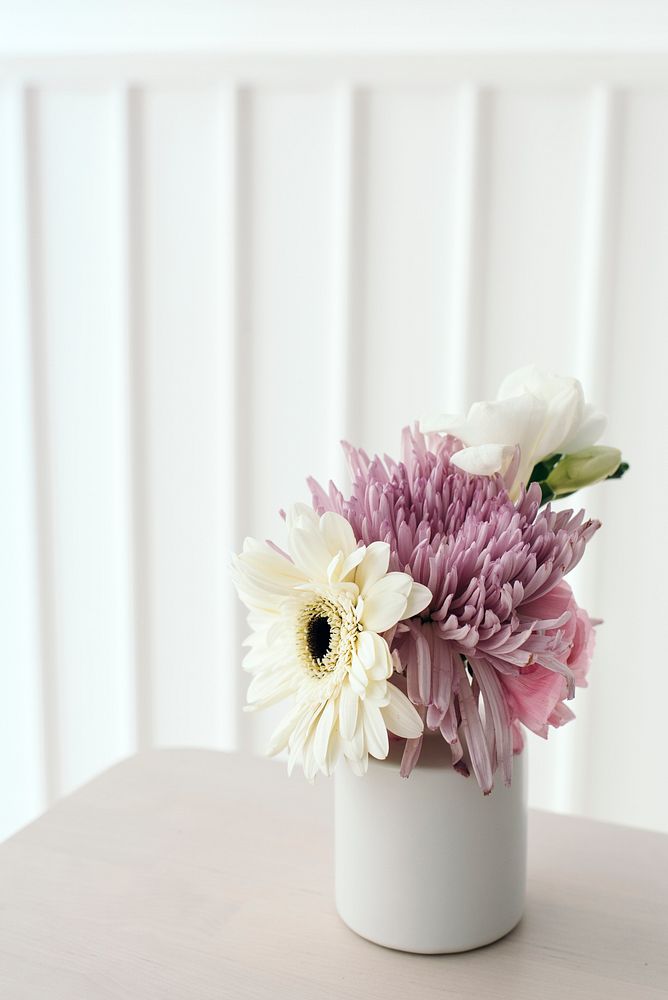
(547,493)
(620,470)
(542,469)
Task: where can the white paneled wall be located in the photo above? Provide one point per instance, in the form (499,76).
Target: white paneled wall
(79,358)
(211,269)
(186,462)
(23,724)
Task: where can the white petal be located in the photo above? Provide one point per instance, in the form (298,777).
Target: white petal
(589,432)
(337,533)
(375,732)
(299,737)
(307,547)
(263,577)
(334,568)
(276,633)
(299,514)
(373,566)
(527,378)
(281,735)
(366,648)
(323,732)
(374,654)
(385,603)
(348,708)
(539,382)
(564,416)
(450,422)
(352,561)
(353,749)
(376,691)
(301,744)
(357,686)
(383,667)
(259,621)
(255,599)
(269,659)
(309,763)
(359,766)
(260,560)
(517,420)
(418,599)
(268,688)
(358,677)
(334,751)
(384,611)
(302,727)
(484,459)
(564,405)
(400,715)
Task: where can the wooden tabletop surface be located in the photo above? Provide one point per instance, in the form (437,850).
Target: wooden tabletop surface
(192,874)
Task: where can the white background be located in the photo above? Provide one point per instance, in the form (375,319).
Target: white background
(289,223)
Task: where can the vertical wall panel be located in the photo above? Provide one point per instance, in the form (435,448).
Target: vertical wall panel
(289,175)
(536,153)
(466,244)
(80,350)
(406,215)
(344,212)
(570,769)
(540,286)
(626,755)
(290,181)
(22,785)
(235,732)
(187,464)
(529,281)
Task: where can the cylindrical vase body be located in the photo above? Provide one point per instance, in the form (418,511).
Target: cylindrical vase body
(428,863)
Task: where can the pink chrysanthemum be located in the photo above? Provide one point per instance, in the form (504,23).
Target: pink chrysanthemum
(502,641)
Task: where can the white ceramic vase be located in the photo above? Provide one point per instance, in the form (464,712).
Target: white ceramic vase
(429,864)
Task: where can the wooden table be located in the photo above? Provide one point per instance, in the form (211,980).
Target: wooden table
(193,874)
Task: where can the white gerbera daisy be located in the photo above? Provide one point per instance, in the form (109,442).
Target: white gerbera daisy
(316,619)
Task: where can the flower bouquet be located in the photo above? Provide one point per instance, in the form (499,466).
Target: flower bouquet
(430,606)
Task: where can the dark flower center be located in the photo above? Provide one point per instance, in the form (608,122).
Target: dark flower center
(318,637)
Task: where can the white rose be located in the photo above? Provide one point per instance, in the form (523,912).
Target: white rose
(541,413)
